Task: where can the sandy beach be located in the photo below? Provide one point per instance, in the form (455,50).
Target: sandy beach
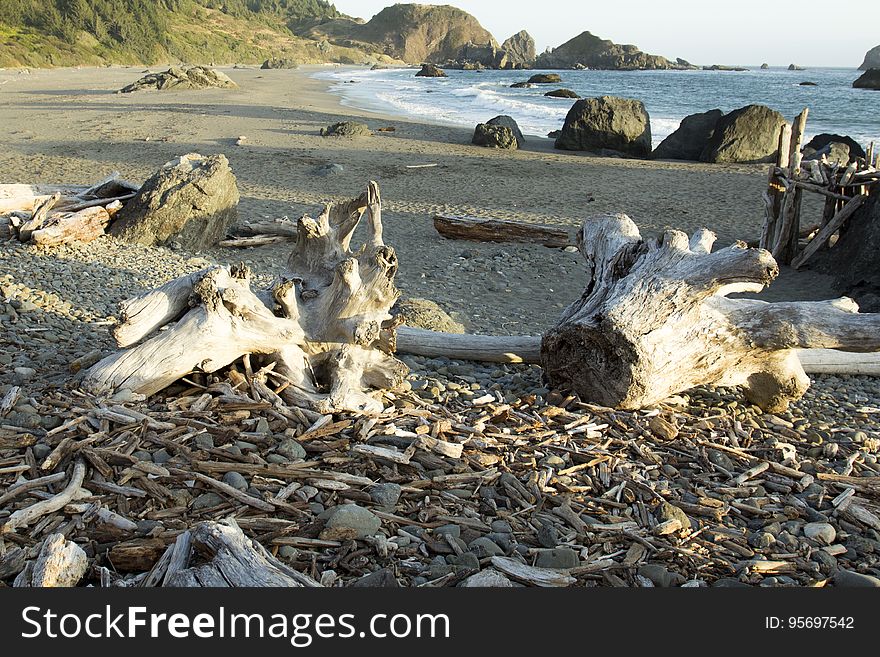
(59,303)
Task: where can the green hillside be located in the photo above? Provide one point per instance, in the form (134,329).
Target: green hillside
(42,33)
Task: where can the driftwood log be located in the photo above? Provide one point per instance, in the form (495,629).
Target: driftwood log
(655,320)
(323,329)
(478,229)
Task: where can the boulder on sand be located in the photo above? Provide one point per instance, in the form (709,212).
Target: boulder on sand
(279,63)
(691,137)
(494,136)
(508,122)
(749,134)
(347,129)
(177,77)
(607,123)
(426,314)
(837,148)
(191,200)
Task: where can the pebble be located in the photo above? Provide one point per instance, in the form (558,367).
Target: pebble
(384,578)
(351,518)
(206,501)
(236,480)
(489,578)
(485,547)
(667,511)
(820,531)
(563,557)
(385,494)
(291,449)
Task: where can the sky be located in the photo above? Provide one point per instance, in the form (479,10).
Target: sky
(745,32)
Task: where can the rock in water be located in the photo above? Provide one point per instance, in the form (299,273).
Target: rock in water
(508,122)
(431,71)
(191,200)
(607,122)
(347,129)
(692,136)
(870,79)
(749,135)
(423,313)
(177,77)
(586,50)
(494,136)
(561,93)
(520,50)
(545,78)
(872,59)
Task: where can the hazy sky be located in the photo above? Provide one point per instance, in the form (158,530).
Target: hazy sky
(808,32)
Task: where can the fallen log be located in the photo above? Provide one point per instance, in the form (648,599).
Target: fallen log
(477,229)
(325,324)
(61,227)
(655,320)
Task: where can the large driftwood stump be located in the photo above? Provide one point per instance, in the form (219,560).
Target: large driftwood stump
(655,320)
(324,326)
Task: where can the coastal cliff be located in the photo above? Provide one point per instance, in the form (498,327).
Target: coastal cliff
(872,59)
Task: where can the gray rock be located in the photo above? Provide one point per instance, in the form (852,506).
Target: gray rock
(691,137)
(41,451)
(548,535)
(494,136)
(206,501)
(820,531)
(872,59)
(483,547)
(177,77)
(347,129)
(385,494)
(545,78)
(501,526)
(563,557)
(362,522)
(849,579)
(562,93)
(279,63)
(191,200)
(236,480)
(489,578)
(749,134)
(329,170)
(204,441)
(448,530)
(610,123)
(521,85)
(291,449)
(464,560)
(519,50)
(833,146)
(660,575)
(730,583)
(383,578)
(24,374)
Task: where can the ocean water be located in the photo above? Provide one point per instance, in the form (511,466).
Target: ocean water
(468,97)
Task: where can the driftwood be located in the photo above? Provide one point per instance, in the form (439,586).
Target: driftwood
(230,559)
(654,320)
(477,229)
(60,563)
(24,517)
(323,330)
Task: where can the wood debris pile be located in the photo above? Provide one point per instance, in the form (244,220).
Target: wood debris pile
(135,493)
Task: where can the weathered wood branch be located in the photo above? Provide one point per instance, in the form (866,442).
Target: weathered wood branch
(654,320)
(325,323)
(478,229)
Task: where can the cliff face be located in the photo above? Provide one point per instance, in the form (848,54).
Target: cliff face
(520,49)
(413,33)
(590,51)
(872,59)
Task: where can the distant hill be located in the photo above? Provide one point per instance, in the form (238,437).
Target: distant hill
(413,33)
(93,32)
(588,50)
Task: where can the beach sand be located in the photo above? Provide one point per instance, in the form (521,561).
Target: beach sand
(69,125)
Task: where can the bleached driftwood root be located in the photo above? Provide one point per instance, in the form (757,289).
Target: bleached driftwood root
(655,320)
(325,324)
(60,563)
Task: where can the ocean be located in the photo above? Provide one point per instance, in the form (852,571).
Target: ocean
(466,98)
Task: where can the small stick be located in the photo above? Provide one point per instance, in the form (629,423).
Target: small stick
(23,517)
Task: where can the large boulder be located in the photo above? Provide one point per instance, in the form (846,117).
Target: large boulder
(837,148)
(870,79)
(607,123)
(853,259)
(749,134)
(520,50)
(426,314)
(177,77)
(430,71)
(545,78)
(688,142)
(192,200)
(508,122)
(494,136)
(279,63)
(561,93)
(872,59)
